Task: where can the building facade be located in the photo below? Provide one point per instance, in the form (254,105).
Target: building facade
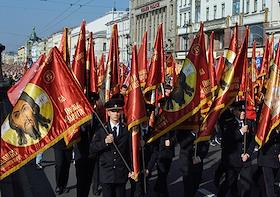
(123,24)
(220,16)
(146,15)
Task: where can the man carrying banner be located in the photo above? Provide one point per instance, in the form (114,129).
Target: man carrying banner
(233,129)
(113,171)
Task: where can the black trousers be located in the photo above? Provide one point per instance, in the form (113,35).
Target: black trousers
(16,184)
(269,175)
(249,181)
(62,165)
(84,171)
(230,183)
(192,179)
(113,189)
(161,187)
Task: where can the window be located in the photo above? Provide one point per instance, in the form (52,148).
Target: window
(185,18)
(104,46)
(223,10)
(215,12)
(180,20)
(255,5)
(247,6)
(197,12)
(235,7)
(190,17)
(207,14)
(263,4)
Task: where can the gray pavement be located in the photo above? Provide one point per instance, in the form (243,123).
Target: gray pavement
(43,181)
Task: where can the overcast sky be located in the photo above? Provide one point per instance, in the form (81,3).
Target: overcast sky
(18,17)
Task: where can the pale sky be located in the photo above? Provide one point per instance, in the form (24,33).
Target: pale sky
(18,17)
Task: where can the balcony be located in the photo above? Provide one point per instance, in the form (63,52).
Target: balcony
(220,23)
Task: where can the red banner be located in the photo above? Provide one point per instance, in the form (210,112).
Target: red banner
(270,114)
(91,67)
(16,90)
(64,47)
(229,87)
(191,90)
(51,104)
(143,61)
(112,73)
(211,65)
(79,61)
(101,70)
(153,91)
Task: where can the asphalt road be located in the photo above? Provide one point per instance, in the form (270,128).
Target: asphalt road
(43,181)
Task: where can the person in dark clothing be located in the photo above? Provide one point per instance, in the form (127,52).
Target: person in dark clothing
(269,161)
(233,130)
(113,171)
(162,153)
(138,187)
(249,174)
(63,156)
(191,165)
(84,162)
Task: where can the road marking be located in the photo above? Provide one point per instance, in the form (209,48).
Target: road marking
(206,192)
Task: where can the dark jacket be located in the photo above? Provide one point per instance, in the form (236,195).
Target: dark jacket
(268,154)
(187,150)
(162,153)
(232,141)
(81,149)
(111,167)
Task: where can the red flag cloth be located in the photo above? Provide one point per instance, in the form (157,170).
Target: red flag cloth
(15,91)
(51,104)
(251,109)
(136,113)
(191,91)
(143,61)
(211,64)
(101,72)
(174,75)
(91,67)
(64,47)
(270,114)
(156,74)
(220,68)
(229,88)
(79,61)
(265,64)
(112,73)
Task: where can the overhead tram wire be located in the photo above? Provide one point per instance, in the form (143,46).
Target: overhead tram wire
(46,27)
(80,6)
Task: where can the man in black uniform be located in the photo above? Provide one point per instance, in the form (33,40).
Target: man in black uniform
(112,170)
(269,160)
(163,152)
(191,165)
(63,156)
(233,130)
(84,162)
